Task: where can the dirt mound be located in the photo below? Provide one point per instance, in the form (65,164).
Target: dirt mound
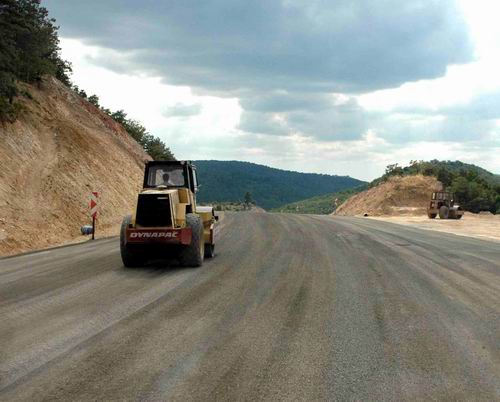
(406,195)
(60,149)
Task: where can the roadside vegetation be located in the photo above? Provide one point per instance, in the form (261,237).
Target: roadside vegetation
(29,51)
(154,146)
(245,205)
(232,206)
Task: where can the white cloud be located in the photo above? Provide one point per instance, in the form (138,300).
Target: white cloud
(182,110)
(146,98)
(443,118)
(461,83)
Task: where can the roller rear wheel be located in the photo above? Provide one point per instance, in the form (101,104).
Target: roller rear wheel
(444,212)
(209,250)
(193,254)
(130,258)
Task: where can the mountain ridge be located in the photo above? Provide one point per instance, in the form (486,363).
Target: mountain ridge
(228,181)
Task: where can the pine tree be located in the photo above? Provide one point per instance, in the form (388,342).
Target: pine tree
(29,49)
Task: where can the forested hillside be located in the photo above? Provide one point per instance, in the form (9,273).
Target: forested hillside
(269,187)
(321,204)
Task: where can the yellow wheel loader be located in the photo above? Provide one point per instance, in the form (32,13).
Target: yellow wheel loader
(167,222)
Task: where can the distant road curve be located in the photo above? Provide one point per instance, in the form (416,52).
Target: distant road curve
(293,307)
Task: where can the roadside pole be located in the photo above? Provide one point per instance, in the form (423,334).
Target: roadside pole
(93,210)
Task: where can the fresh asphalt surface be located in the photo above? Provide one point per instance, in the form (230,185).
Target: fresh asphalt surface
(293,307)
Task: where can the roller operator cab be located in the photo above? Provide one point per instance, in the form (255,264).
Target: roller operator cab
(167,222)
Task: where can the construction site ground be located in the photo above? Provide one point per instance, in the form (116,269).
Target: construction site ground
(482,225)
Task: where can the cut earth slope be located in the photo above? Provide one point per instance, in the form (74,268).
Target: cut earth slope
(59,150)
(399,195)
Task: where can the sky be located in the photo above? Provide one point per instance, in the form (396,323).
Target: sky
(340,87)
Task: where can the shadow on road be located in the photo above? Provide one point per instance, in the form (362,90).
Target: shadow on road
(156,267)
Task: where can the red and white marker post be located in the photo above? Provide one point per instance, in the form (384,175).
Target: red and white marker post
(93,210)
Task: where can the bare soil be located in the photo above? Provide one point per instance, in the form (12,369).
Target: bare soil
(397,196)
(404,200)
(60,150)
(483,225)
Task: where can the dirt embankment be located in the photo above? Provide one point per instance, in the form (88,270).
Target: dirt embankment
(60,149)
(403,200)
(406,195)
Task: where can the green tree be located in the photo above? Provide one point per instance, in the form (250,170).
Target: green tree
(8,90)
(83,94)
(29,49)
(157,149)
(444,176)
(137,131)
(94,99)
(63,71)
(474,196)
(393,170)
(248,199)
(460,186)
(119,116)
(35,38)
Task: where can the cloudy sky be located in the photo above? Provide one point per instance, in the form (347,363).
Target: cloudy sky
(342,87)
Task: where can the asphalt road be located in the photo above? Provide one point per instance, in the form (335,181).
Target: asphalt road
(292,308)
